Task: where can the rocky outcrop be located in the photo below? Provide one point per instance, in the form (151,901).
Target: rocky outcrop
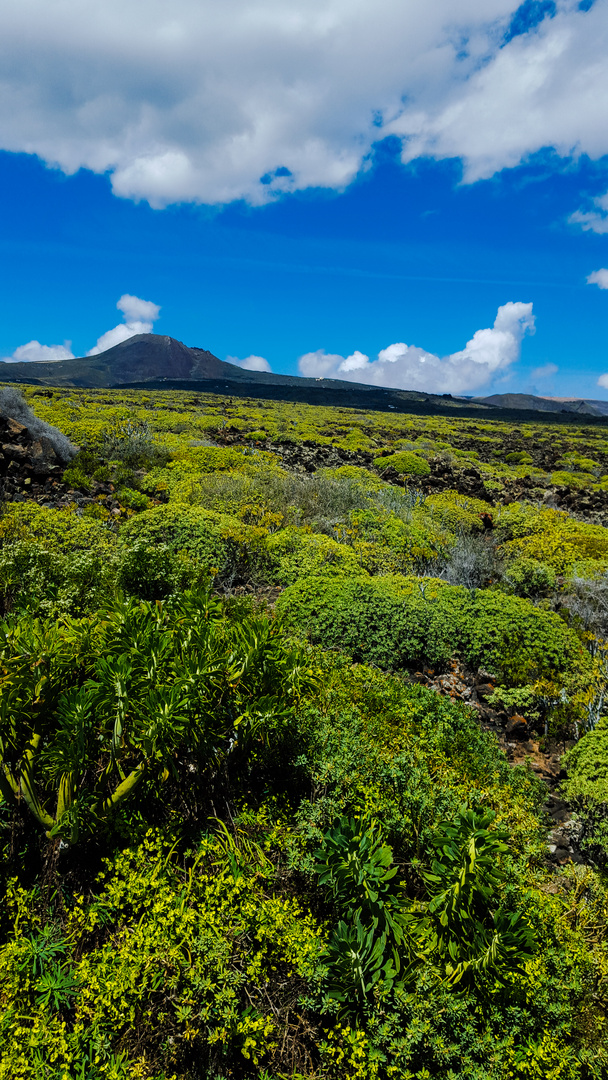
(29,466)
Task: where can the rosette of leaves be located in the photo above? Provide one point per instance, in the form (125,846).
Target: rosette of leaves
(382,939)
(462,931)
(357,869)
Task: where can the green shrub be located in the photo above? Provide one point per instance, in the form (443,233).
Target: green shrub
(76,478)
(132,499)
(530,577)
(518,457)
(155,572)
(295,553)
(564,478)
(217,543)
(510,635)
(53,583)
(389,621)
(586,786)
(396,621)
(459,513)
(587,765)
(404,462)
(59,530)
(387,543)
(54,561)
(550,536)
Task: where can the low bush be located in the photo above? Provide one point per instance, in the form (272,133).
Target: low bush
(530,577)
(399,542)
(404,462)
(54,561)
(549,536)
(459,513)
(34,577)
(295,554)
(398,621)
(219,544)
(518,457)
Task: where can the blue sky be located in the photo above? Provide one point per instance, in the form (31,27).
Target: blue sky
(395,240)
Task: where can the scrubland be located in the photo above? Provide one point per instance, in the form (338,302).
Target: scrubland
(239,838)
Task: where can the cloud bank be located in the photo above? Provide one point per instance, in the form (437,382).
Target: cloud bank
(407,367)
(247,99)
(34,351)
(139,318)
(250,363)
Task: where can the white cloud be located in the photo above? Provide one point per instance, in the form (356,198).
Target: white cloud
(140,315)
(250,363)
(603,381)
(200,101)
(35,352)
(136,310)
(593,220)
(545,372)
(599,278)
(408,367)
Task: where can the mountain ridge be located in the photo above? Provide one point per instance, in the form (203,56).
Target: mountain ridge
(157,361)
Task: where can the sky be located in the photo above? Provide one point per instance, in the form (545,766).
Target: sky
(410,195)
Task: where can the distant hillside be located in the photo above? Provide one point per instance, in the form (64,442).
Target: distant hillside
(143,357)
(581,406)
(156,361)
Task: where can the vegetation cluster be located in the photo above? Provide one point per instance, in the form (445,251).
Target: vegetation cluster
(238,840)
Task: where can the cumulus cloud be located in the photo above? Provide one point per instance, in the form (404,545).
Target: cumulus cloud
(603,381)
(250,363)
(599,278)
(139,316)
(248,99)
(34,352)
(545,371)
(408,367)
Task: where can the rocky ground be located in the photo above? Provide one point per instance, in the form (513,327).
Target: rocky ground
(445,476)
(521,745)
(30,471)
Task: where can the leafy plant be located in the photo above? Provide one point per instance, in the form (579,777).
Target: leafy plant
(463,930)
(89,713)
(404,462)
(357,868)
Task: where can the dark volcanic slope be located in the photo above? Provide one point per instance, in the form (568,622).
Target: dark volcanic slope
(580,406)
(157,362)
(140,358)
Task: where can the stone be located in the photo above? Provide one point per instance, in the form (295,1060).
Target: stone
(14,428)
(517,726)
(14,451)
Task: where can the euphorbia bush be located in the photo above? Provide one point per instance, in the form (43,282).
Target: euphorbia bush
(395,621)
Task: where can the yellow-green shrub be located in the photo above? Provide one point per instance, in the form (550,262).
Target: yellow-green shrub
(457,512)
(217,542)
(404,462)
(296,553)
(550,536)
